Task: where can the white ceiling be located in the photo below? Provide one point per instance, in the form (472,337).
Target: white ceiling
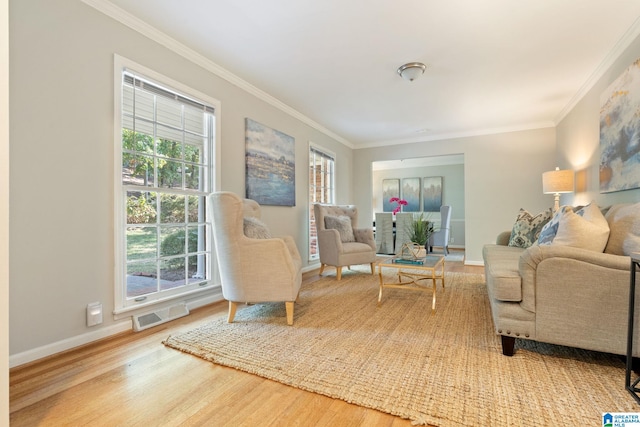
(493,65)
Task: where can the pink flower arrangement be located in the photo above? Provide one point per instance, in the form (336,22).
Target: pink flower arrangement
(400,202)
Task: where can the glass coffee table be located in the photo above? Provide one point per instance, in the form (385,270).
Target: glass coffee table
(413,273)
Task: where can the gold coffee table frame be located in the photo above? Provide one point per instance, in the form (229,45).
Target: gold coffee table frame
(431,269)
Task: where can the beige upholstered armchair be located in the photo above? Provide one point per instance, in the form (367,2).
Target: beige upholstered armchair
(253,269)
(340,242)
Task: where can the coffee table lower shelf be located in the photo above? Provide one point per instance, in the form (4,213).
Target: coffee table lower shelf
(431,269)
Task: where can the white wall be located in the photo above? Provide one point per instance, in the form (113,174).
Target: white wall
(4,213)
(579,138)
(61,194)
(452,193)
(502,173)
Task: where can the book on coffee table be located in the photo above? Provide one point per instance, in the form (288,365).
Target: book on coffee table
(418,261)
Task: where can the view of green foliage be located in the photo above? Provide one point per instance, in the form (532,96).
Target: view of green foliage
(138,159)
(141,210)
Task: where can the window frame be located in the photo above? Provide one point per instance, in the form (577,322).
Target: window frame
(327,154)
(121,303)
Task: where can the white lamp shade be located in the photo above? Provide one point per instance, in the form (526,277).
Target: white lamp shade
(558,181)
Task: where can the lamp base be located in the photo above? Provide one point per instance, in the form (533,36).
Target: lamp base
(556,203)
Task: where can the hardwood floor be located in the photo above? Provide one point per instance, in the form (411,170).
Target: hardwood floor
(132,379)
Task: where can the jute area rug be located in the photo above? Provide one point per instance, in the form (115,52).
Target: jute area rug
(444,369)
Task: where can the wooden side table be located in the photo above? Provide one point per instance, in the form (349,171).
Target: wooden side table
(632,387)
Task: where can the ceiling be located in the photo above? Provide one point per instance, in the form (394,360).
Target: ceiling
(492,65)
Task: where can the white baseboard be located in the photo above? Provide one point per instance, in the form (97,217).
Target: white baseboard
(66,344)
(311,267)
(122,326)
(478,263)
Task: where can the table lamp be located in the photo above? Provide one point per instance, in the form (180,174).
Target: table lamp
(556,182)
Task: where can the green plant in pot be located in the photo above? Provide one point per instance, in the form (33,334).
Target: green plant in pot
(420,229)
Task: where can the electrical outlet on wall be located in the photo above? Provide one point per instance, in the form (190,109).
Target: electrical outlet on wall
(94,314)
(451,240)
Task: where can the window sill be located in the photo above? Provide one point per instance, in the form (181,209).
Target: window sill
(210,294)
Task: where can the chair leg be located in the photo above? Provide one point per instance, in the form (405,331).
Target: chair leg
(339,272)
(446,250)
(321,269)
(289,307)
(232,311)
(373,268)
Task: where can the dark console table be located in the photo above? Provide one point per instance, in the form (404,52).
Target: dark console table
(632,387)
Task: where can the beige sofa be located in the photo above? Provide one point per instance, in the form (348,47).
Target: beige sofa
(566,295)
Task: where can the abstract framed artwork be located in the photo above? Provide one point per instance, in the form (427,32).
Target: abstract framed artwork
(390,188)
(270,165)
(620,132)
(411,193)
(432,193)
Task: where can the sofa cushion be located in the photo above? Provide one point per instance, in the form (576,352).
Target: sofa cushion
(527,228)
(501,264)
(624,225)
(341,223)
(550,229)
(255,229)
(586,228)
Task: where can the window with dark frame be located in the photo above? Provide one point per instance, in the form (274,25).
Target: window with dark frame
(321,190)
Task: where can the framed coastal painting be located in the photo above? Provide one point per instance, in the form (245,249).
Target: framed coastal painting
(620,132)
(390,188)
(270,165)
(432,193)
(411,193)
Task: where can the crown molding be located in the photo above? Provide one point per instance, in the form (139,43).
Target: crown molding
(625,41)
(454,135)
(136,24)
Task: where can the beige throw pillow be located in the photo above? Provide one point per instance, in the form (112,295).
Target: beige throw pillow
(586,229)
(255,229)
(343,225)
(624,221)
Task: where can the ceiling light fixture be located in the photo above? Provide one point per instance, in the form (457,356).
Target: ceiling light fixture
(411,70)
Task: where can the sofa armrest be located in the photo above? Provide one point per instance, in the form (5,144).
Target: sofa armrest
(557,265)
(537,254)
(581,296)
(503,238)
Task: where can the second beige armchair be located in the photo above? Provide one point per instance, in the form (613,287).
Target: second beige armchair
(340,242)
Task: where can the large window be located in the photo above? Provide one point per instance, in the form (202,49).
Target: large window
(321,189)
(166,175)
